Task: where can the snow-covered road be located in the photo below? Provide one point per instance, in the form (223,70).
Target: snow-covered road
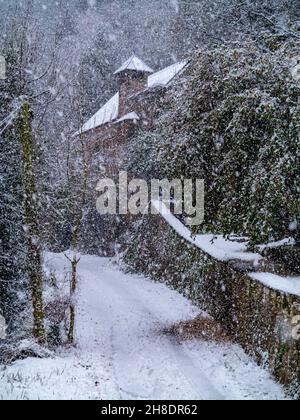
(122,352)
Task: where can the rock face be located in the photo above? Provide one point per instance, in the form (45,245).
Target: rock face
(264,321)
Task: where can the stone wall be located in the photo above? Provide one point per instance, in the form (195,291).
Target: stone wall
(258,318)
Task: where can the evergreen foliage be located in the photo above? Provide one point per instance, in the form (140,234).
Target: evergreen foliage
(234,122)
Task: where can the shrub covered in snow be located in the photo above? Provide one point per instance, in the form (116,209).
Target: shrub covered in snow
(234,121)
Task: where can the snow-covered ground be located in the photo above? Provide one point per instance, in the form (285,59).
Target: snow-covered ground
(122,353)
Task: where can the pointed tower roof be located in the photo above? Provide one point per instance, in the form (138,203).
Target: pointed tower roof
(134,64)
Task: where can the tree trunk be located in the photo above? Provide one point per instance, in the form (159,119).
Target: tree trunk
(71,335)
(34,257)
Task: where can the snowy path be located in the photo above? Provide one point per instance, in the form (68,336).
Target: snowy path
(122,353)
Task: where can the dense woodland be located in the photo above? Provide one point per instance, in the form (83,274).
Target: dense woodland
(232,120)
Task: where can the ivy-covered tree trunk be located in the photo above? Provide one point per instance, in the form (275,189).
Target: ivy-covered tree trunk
(34,257)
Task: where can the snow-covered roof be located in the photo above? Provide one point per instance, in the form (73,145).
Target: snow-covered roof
(164,77)
(134,63)
(214,245)
(108,113)
(132,116)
